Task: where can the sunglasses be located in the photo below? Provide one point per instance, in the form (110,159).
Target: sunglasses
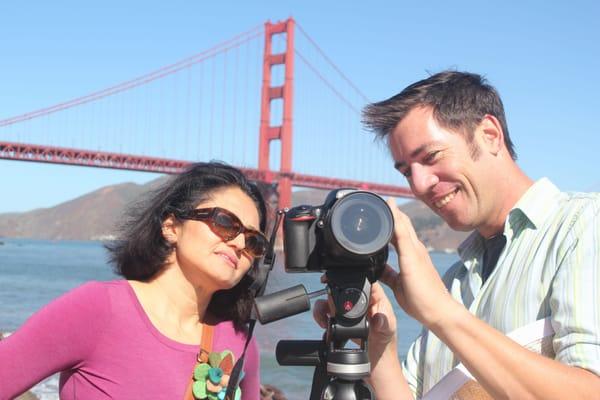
(228,226)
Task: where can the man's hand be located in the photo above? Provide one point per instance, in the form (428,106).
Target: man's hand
(417,287)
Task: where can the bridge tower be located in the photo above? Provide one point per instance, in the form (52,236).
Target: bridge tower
(282,132)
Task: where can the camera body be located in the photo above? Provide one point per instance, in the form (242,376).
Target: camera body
(350,230)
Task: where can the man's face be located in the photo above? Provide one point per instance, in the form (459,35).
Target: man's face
(443,170)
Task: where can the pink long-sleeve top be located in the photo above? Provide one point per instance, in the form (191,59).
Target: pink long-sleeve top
(103,343)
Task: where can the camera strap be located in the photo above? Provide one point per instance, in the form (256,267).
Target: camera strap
(266,266)
(204,355)
(202,358)
(259,286)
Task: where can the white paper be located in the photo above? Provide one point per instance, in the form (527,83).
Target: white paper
(459,384)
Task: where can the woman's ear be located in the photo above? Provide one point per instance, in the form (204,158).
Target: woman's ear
(169,230)
(492,136)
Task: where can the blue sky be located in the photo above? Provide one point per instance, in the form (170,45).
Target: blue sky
(542,57)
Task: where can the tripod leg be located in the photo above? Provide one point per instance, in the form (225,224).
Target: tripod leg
(320,380)
(339,389)
(364,391)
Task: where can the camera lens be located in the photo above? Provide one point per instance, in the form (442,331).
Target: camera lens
(362,223)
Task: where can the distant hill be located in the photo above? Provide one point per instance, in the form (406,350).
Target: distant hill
(87,217)
(94,216)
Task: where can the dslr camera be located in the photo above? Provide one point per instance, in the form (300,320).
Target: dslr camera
(347,238)
(350,230)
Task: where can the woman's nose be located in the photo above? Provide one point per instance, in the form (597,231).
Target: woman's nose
(238,242)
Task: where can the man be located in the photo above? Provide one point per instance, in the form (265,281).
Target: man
(534,253)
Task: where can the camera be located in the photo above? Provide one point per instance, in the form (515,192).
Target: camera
(351,229)
(347,238)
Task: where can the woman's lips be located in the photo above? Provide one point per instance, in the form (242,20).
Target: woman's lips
(230,260)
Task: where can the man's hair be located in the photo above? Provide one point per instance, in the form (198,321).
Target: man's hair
(459,101)
(142,251)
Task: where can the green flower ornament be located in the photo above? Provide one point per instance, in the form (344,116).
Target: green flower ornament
(211,379)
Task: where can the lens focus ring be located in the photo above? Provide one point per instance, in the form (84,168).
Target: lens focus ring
(361,222)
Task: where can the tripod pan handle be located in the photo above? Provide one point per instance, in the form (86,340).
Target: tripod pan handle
(299,352)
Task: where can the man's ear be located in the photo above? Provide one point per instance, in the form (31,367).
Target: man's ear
(169,230)
(491,134)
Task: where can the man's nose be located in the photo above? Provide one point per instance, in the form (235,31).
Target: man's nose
(422,179)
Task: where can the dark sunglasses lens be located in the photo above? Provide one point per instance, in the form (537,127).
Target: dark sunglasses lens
(256,244)
(226,225)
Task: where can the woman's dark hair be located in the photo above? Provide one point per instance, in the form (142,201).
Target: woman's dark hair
(459,100)
(142,250)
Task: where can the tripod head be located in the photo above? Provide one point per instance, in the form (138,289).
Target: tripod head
(347,367)
(339,370)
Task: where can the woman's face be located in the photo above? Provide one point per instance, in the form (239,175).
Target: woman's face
(206,259)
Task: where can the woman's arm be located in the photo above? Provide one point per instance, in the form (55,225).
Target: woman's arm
(54,339)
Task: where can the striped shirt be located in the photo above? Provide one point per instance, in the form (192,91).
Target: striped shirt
(550,267)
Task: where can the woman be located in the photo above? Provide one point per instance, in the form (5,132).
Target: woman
(186,256)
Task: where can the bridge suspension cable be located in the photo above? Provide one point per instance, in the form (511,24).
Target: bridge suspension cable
(141,80)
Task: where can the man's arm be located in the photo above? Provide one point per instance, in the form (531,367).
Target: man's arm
(507,370)
(501,366)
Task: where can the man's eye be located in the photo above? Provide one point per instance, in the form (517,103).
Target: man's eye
(431,156)
(403,168)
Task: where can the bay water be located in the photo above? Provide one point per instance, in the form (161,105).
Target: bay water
(34,272)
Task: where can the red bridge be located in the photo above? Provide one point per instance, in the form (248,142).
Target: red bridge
(210,106)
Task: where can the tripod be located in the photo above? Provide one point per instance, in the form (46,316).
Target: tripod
(339,371)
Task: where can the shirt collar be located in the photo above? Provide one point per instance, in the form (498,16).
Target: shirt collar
(529,211)
(535,204)
(469,248)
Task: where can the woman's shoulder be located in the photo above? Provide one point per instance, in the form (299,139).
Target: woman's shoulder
(98,289)
(228,338)
(226,328)
(225,332)
(92,294)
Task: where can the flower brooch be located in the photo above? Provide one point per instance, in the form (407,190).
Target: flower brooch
(211,378)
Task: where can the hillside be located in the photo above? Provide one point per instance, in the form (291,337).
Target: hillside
(92,216)
(95,215)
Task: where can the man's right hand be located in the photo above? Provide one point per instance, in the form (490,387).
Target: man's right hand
(418,288)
